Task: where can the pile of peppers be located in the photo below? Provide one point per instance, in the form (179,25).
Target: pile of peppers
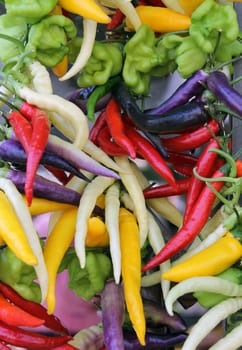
(107,166)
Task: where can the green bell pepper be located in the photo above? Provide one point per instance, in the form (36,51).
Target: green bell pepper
(20,276)
(106,61)
(47,39)
(90,280)
(212,23)
(27,11)
(209,299)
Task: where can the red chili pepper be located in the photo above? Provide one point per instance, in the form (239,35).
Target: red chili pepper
(239,167)
(100,122)
(65,347)
(190,141)
(204,167)
(107,145)
(116,127)
(41,130)
(168,190)
(4,346)
(58,173)
(33,308)
(21,127)
(116,20)
(198,217)
(181,158)
(184,170)
(150,153)
(15,316)
(28,339)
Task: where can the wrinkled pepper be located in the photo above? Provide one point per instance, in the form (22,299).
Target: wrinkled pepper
(90,280)
(130,270)
(209,262)
(209,299)
(27,11)
(20,276)
(87,9)
(105,62)
(47,39)
(140,58)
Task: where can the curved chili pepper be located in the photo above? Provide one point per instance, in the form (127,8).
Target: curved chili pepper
(100,122)
(181,158)
(27,339)
(150,153)
(205,166)
(33,308)
(198,217)
(184,170)
(22,128)
(108,146)
(116,127)
(192,140)
(168,190)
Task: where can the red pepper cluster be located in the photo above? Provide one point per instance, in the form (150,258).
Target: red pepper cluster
(17,312)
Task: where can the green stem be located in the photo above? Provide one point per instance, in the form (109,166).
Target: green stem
(13,40)
(229,159)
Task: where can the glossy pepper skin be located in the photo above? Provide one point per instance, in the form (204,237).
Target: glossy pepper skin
(106,61)
(28,11)
(208,262)
(47,39)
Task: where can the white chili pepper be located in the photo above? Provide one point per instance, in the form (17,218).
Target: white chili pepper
(231,341)
(41,81)
(203,283)
(26,221)
(135,191)
(87,203)
(55,103)
(89,35)
(112,205)
(210,320)
(129,11)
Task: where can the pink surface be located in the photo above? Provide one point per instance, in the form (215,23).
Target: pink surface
(74,312)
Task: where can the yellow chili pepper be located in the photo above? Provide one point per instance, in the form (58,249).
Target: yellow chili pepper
(190,6)
(208,262)
(101,201)
(87,9)
(97,235)
(56,245)
(162,19)
(41,206)
(12,232)
(130,270)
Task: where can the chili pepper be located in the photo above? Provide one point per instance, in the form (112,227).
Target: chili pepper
(117,129)
(182,158)
(153,157)
(99,123)
(59,174)
(91,10)
(181,187)
(3,346)
(61,68)
(210,261)
(97,93)
(191,6)
(199,215)
(179,119)
(116,20)
(41,206)
(27,339)
(204,167)
(33,308)
(15,316)
(184,170)
(130,257)
(97,234)
(192,140)
(28,12)
(161,19)
(209,299)
(107,145)
(130,12)
(239,167)
(22,128)
(191,87)
(13,233)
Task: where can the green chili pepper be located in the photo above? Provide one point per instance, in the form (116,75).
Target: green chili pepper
(20,276)
(105,62)
(47,39)
(211,19)
(209,299)
(27,11)
(90,280)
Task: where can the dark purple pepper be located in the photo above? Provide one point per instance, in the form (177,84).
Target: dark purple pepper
(13,152)
(219,85)
(112,306)
(152,341)
(190,88)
